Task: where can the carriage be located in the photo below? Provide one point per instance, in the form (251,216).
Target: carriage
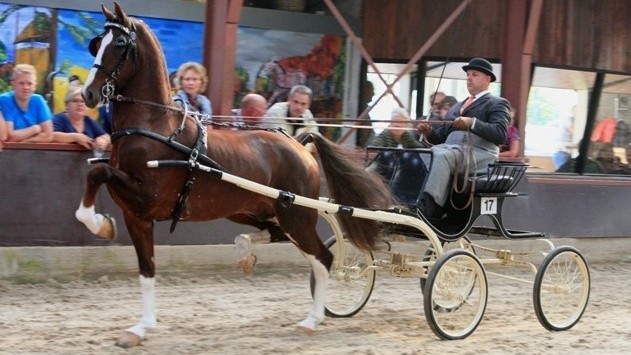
(165,164)
(453,260)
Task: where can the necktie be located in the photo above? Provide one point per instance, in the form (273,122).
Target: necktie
(467,103)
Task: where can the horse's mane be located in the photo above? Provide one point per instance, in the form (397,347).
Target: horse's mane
(146,56)
(148,52)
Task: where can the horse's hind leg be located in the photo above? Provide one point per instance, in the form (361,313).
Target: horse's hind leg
(320,264)
(99,224)
(300,225)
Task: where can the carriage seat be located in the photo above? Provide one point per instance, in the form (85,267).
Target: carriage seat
(501,178)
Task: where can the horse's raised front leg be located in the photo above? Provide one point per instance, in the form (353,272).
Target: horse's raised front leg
(141,233)
(99,224)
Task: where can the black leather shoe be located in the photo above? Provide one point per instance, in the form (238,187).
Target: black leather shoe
(429,208)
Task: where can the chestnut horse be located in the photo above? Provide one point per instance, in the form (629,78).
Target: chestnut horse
(130,70)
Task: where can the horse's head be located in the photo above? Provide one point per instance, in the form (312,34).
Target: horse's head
(116,55)
(269,68)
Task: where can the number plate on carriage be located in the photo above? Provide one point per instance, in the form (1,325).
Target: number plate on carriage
(488,205)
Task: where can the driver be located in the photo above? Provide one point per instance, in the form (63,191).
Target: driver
(485,116)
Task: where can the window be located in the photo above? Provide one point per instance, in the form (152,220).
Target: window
(383,107)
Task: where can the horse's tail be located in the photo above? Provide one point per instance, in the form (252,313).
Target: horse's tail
(351,185)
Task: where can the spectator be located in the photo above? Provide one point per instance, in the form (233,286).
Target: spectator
(73,82)
(252,111)
(435,99)
(293,116)
(589,167)
(27,116)
(566,135)
(105,117)
(365,135)
(445,105)
(484,116)
(405,171)
(74,126)
(191,81)
(173,82)
(510,148)
(607,161)
(3,131)
(397,135)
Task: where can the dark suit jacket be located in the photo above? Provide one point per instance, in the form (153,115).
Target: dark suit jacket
(492,115)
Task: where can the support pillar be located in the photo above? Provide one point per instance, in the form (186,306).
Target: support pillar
(521,27)
(220,44)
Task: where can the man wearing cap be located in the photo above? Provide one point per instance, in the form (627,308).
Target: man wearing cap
(485,116)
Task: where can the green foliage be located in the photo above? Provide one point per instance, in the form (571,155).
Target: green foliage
(94,27)
(65,66)
(242,77)
(42,22)
(3,52)
(8,11)
(545,109)
(79,34)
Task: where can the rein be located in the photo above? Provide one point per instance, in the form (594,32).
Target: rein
(468,157)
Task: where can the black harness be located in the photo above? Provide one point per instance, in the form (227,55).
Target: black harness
(198,153)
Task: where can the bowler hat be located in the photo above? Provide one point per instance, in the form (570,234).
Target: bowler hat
(480,64)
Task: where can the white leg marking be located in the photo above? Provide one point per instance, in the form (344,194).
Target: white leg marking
(316,316)
(148,319)
(87,216)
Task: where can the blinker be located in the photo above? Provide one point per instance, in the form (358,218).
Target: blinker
(95,43)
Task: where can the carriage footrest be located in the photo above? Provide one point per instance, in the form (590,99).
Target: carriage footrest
(511,233)
(98,160)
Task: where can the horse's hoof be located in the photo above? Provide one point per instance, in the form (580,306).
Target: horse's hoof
(108,228)
(247,263)
(128,340)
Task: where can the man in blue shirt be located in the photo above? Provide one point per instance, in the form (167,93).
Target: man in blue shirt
(27,115)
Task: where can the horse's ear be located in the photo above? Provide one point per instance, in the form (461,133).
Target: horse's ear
(109,16)
(122,16)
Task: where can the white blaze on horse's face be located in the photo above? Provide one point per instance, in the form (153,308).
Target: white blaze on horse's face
(107,39)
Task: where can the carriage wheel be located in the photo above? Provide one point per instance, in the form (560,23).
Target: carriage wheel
(430,253)
(351,279)
(455,295)
(561,289)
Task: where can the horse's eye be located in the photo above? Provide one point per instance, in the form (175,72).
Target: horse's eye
(121,41)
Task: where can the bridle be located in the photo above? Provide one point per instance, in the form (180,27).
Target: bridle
(126,41)
(127,44)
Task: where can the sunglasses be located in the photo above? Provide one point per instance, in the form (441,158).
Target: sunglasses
(77,101)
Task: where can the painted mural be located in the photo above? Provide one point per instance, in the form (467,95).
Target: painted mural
(268,61)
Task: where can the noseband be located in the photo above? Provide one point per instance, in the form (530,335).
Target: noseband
(127,41)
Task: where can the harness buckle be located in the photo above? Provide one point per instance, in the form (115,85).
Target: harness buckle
(193,158)
(107,91)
